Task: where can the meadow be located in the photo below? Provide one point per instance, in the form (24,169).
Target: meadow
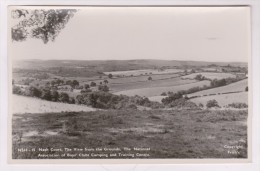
(239,86)
(210,75)
(174,86)
(223,99)
(168,133)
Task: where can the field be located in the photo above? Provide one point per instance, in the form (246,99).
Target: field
(234,87)
(155,91)
(168,133)
(23,104)
(144,72)
(223,99)
(210,75)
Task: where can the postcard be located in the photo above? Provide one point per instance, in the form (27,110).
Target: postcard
(136,84)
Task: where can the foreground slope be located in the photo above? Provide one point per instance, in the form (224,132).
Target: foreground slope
(23,104)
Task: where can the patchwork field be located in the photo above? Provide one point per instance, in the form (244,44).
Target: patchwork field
(144,72)
(155,91)
(23,104)
(171,134)
(210,75)
(223,99)
(234,87)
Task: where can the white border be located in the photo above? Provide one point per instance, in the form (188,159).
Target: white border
(254,166)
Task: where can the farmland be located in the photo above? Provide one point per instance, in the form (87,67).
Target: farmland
(144,72)
(210,75)
(234,87)
(155,91)
(223,99)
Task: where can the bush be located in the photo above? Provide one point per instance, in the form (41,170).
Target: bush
(17,90)
(110,76)
(183,103)
(64,97)
(163,94)
(238,105)
(33,92)
(199,77)
(104,88)
(212,103)
(93,84)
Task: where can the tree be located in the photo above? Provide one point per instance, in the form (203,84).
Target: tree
(54,96)
(110,76)
(64,97)
(104,88)
(199,77)
(105,81)
(33,92)
(93,84)
(17,90)
(46,94)
(212,103)
(150,78)
(86,86)
(74,83)
(39,23)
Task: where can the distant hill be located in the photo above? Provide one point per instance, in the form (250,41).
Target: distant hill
(116,65)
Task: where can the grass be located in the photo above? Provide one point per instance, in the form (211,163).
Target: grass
(168,133)
(155,90)
(211,75)
(24,104)
(223,99)
(143,72)
(234,87)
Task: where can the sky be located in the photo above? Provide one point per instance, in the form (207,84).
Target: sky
(219,34)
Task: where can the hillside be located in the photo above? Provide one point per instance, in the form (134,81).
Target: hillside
(234,87)
(32,105)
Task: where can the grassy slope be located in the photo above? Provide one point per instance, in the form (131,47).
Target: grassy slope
(23,104)
(237,86)
(169,134)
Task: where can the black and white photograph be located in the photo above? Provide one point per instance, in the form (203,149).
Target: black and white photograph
(129,82)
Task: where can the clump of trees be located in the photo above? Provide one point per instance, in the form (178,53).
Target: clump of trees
(212,103)
(200,77)
(44,93)
(105,100)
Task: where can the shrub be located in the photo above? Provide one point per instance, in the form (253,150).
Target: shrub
(33,92)
(17,90)
(86,86)
(104,88)
(199,77)
(110,76)
(64,97)
(212,103)
(163,94)
(238,105)
(93,84)
(150,78)
(46,94)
